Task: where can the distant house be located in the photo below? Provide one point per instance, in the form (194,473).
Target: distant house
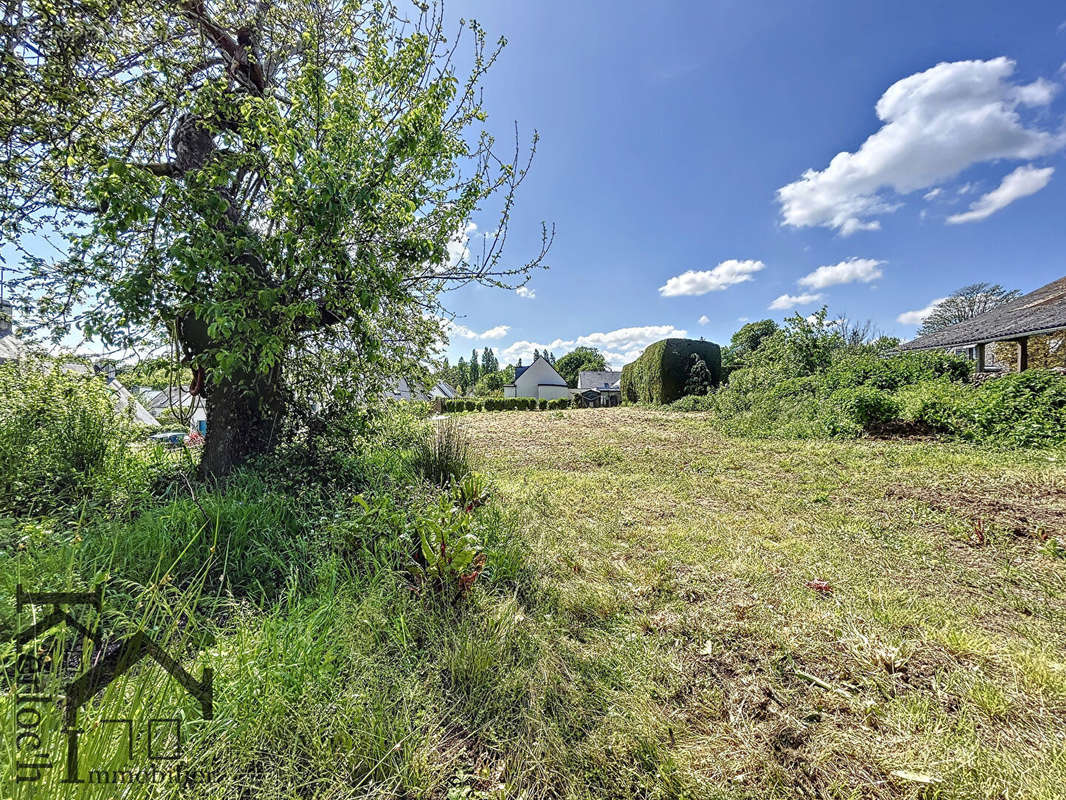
(1038,313)
(600,388)
(403,389)
(444,390)
(538,380)
(175,400)
(12,349)
(124,399)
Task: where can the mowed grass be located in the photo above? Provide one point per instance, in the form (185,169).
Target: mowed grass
(680,563)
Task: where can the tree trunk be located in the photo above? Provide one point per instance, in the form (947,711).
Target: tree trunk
(243,419)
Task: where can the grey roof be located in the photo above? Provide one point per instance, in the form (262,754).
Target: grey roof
(590,379)
(1042,311)
(124,399)
(10,348)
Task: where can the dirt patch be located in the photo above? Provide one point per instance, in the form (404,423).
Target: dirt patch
(898,429)
(1026,509)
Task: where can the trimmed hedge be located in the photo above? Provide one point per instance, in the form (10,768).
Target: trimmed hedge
(660,373)
(459,404)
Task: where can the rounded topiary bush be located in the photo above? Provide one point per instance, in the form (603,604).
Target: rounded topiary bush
(661,372)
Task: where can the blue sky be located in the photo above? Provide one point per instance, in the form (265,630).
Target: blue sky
(675,141)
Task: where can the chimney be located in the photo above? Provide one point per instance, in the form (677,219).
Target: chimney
(6,311)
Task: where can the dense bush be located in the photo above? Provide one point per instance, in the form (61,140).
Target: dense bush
(1027,408)
(866,406)
(63,440)
(662,371)
(866,368)
(807,380)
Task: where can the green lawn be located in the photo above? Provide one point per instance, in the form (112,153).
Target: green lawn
(699,662)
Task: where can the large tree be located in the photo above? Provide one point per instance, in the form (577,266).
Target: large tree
(745,342)
(283,189)
(577,360)
(966,303)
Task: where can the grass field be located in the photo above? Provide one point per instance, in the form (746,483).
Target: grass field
(704,659)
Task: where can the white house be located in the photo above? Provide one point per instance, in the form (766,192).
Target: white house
(539,380)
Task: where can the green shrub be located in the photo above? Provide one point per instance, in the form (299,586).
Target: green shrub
(542,404)
(939,405)
(1019,409)
(559,403)
(62,441)
(450,556)
(866,406)
(1026,408)
(662,371)
(851,369)
(695,402)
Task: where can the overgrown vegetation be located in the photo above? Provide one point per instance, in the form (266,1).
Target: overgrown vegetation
(808,380)
(382,620)
(363,594)
(63,441)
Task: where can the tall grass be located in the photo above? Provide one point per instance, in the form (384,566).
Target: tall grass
(336,674)
(443,456)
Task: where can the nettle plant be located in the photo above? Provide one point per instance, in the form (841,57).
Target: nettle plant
(283,190)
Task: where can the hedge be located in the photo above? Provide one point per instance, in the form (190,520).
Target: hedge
(660,373)
(503,404)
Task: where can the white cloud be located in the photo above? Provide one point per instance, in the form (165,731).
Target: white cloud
(918,317)
(1023,182)
(455,329)
(526,292)
(935,124)
(849,271)
(619,346)
(458,251)
(787,301)
(704,319)
(742,319)
(697,282)
(932,193)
